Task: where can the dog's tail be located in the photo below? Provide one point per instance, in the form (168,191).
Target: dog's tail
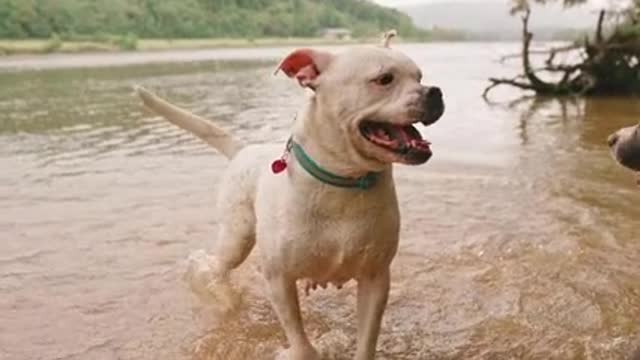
(213,135)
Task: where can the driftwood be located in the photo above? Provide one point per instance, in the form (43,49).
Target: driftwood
(608,65)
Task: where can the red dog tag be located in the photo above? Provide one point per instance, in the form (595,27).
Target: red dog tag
(278,166)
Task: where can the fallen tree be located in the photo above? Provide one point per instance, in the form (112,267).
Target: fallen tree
(608,63)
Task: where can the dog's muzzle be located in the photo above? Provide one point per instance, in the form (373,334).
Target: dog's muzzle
(625,147)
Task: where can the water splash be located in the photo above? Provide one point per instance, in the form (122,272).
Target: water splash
(332,345)
(212,287)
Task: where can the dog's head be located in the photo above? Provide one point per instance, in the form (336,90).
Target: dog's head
(371,97)
(625,146)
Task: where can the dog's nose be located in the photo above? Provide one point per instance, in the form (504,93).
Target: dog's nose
(433,105)
(434,93)
(612,140)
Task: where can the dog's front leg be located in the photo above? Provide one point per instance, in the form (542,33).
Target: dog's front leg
(373,292)
(284,297)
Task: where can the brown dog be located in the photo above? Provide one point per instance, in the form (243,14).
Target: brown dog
(625,147)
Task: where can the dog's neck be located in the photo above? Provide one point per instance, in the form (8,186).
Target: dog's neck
(330,146)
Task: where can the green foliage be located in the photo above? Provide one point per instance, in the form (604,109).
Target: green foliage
(54,43)
(93,19)
(127,42)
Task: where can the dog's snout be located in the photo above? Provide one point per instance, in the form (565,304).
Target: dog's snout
(434,93)
(613,139)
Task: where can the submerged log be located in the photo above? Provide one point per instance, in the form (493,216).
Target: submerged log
(608,65)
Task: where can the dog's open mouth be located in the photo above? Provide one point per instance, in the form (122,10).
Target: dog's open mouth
(402,140)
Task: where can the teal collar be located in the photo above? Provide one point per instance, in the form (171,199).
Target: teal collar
(363,183)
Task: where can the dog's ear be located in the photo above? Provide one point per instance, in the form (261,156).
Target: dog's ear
(387,36)
(305,65)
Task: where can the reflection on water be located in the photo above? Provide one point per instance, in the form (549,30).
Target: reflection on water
(520,239)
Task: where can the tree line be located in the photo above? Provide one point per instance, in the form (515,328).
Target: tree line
(95,19)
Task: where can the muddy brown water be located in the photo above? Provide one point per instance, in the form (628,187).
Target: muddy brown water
(520,238)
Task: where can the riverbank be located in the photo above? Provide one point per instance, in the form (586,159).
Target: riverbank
(262,52)
(97,59)
(50,46)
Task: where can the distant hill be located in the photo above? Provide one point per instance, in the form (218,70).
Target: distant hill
(491,19)
(196,18)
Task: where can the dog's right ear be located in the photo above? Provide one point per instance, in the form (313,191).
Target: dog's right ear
(305,65)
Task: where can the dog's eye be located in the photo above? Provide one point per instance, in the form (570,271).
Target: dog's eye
(385,79)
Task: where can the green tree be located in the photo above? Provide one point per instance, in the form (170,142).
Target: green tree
(113,19)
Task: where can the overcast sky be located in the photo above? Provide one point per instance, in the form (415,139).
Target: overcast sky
(595,3)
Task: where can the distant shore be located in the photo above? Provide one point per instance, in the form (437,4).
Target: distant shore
(98,59)
(49,46)
(155,52)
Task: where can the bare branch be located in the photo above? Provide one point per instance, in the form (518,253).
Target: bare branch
(604,64)
(513,82)
(555,51)
(526,62)
(550,51)
(599,27)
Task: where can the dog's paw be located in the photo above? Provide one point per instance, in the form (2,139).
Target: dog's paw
(335,345)
(199,270)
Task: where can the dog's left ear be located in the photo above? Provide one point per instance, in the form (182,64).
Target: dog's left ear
(305,65)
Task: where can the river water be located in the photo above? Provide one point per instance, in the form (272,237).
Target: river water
(520,238)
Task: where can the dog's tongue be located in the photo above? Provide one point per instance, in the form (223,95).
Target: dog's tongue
(409,136)
(400,133)
(397,137)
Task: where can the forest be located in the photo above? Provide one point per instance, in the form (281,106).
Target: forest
(175,19)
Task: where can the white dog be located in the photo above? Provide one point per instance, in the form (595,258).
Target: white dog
(325,211)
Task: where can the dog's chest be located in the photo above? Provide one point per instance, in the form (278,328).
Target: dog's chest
(323,233)
(345,237)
